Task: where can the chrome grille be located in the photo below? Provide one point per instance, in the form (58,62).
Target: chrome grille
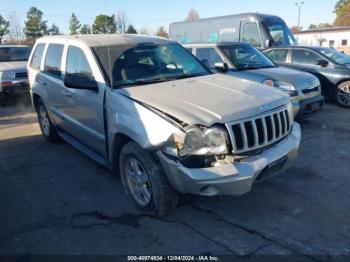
(251,134)
(21,75)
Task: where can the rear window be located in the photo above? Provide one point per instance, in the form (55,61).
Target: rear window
(12,54)
(37,56)
(53,60)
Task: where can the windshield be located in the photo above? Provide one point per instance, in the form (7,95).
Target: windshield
(151,63)
(335,55)
(11,54)
(246,57)
(279,33)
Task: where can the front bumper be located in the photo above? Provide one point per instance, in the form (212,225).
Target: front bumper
(232,179)
(14,86)
(307,107)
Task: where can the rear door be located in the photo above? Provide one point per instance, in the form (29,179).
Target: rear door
(51,79)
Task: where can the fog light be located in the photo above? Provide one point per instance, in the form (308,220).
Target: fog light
(209,191)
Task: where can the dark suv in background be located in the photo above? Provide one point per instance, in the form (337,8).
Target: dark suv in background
(13,70)
(329,65)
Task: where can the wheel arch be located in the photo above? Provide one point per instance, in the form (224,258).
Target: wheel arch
(342,81)
(119,140)
(36,99)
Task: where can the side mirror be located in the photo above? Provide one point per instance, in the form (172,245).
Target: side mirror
(322,63)
(221,67)
(267,43)
(80,82)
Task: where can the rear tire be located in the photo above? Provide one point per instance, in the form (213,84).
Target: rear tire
(144,181)
(47,128)
(342,94)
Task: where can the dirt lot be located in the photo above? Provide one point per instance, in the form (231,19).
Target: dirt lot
(54,200)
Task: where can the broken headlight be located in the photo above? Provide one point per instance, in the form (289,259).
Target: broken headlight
(203,141)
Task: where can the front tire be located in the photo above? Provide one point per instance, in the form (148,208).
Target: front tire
(47,128)
(342,94)
(144,181)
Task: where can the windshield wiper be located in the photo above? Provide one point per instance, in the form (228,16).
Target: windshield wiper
(187,76)
(141,82)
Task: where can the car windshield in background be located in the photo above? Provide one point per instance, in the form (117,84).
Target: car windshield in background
(247,57)
(335,56)
(147,64)
(12,54)
(280,34)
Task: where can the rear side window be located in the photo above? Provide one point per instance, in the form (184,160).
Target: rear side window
(52,64)
(37,56)
(278,56)
(210,55)
(251,34)
(77,63)
(304,57)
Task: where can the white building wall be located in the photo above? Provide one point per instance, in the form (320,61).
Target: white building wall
(338,39)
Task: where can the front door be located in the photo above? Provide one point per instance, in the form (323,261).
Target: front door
(83,109)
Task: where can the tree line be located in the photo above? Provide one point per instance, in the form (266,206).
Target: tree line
(342,11)
(35,26)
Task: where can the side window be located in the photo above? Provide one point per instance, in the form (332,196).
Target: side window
(77,62)
(53,58)
(37,56)
(190,49)
(278,56)
(210,55)
(251,34)
(304,57)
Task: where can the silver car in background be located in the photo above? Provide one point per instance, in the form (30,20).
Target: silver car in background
(247,62)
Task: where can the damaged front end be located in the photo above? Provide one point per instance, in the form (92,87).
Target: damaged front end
(200,147)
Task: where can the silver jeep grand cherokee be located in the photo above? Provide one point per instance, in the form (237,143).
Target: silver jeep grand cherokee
(145,107)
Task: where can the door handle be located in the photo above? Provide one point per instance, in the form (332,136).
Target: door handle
(67,93)
(42,82)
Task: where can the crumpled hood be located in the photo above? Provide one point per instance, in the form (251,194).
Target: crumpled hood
(208,99)
(300,80)
(17,66)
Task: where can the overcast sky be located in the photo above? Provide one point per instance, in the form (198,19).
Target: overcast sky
(154,13)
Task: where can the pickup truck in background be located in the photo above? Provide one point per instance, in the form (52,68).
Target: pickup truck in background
(149,110)
(13,70)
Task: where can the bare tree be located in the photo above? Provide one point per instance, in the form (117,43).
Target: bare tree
(192,15)
(121,22)
(162,32)
(15,28)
